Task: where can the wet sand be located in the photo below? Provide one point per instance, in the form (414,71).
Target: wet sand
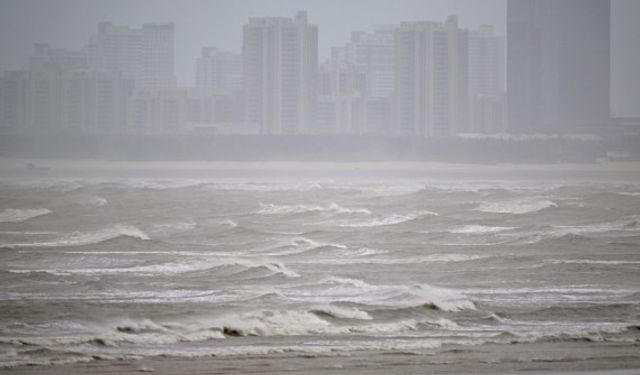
(579,358)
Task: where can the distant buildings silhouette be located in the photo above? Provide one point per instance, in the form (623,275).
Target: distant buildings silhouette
(418,79)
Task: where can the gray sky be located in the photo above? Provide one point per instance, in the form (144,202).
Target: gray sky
(68,23)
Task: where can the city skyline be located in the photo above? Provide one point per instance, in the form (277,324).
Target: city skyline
(122,81)
(65,23)
(428,78)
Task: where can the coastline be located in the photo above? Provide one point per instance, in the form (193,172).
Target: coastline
(551,358)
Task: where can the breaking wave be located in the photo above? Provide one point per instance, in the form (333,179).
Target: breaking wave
(88,238)
(390,220)
(274,209)
(11,215)
(479,229)
(233,266)
(516,207)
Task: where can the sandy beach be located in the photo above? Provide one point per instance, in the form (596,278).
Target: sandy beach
(578,358)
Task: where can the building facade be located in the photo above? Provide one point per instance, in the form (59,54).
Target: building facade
(280,64)
(431,85)
(487,101)
(558,64)
(144,55)
(217,70)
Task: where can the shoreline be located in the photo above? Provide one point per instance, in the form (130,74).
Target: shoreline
(550,358)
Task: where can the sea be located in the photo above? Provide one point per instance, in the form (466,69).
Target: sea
(128,266)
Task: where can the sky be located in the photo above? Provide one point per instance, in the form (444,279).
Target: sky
(218,23)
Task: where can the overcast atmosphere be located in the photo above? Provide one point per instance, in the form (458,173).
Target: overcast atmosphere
(67,23)
(320,187)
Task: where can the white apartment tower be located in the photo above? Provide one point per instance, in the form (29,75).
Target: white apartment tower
(221,71)
(374,53)
(486,81)
(280,64)
(431,90)
(145,55)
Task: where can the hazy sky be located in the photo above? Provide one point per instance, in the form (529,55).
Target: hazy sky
(68,23)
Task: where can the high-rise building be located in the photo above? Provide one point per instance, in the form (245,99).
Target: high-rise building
(374,53)
(341,87)
(486,81)
(58,92)
(558,65)
(220,71)
(431,90)
(280,64)
(145,55)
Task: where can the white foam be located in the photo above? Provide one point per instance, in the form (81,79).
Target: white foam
(479,229)
(392,219)
(87,238)
(516,207)
(630,193)
(274,209)
(591,261)
(172,268)
(342,312)
(175,226)
(11,215)
(93,201)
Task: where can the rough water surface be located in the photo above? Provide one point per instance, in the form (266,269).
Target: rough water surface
(95,268)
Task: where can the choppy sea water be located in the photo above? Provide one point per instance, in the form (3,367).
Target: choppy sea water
(138,267)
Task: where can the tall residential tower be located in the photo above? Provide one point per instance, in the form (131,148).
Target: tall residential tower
(558,65)
(280,64)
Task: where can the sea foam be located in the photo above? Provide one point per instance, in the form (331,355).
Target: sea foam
(11,215)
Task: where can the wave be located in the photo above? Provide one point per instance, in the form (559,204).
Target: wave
(174,227)
(420,296)
(93,201)
(630,193)
(591,261)
(11,215)
(87,238)
(335,289)
(273,209)
(236,266)
(516,207)
(302,245)
(302,322)
(391,190)
(341,312)
(479,229)
(592,332)
(390,220)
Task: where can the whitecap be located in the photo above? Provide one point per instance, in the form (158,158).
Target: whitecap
(340,312)
(11,215)
(516,207)
(479,229)
(88,238)
(274,209)
(392,219)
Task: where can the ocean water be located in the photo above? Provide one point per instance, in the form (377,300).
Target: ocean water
(132,267)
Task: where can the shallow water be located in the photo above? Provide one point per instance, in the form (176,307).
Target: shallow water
(136,267)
